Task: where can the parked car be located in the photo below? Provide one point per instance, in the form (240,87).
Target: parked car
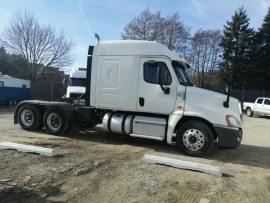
(260,107)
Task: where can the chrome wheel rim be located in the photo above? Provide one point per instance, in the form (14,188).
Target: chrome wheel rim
(193,139)
(54,121)
(27,117)
(248,112)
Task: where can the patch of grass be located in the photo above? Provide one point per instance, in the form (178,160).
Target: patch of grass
(2,166)
(268,182)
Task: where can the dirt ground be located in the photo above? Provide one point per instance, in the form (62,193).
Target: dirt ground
(94,166)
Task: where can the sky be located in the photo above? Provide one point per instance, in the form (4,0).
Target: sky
(109,17)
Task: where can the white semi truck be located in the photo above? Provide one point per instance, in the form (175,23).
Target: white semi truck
(77,83)
(141,89)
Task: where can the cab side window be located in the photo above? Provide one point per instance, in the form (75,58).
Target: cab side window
(157,73)
(259,101)
(267,102)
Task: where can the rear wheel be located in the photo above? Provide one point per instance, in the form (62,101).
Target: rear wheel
(68,126)
(249,112)
(55,121)
(195,138)
(29,117)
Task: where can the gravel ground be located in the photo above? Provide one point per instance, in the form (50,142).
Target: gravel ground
(94,166)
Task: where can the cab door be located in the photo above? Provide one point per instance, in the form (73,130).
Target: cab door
(266,107)
(157,87)
(258,106)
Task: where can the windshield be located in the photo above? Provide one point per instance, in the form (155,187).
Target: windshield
(81,82)
(180,70)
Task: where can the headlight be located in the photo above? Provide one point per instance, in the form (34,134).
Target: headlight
(232,121)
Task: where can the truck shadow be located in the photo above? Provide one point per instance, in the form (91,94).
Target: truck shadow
(23,195)
(6,109)
(249,155)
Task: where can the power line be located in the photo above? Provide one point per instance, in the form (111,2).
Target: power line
(85,21)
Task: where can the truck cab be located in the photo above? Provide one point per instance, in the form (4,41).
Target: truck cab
(141,89)
(77,83)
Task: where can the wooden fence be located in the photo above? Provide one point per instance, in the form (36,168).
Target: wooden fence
(46,91)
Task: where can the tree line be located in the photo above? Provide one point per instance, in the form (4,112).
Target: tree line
(246,53)
(238,56)
(28,49)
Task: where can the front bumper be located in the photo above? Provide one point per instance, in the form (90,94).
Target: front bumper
(228,137)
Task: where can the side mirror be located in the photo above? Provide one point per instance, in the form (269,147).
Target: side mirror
(152,63)
(226,103)
(161,82)
(65,83)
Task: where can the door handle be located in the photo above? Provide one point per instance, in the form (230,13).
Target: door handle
(141,101)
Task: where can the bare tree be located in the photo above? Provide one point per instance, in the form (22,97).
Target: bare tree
(39,45)
(143,27)
(204,56)
(169,31)
(174,33)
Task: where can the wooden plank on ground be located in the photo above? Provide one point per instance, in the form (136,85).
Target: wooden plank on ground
(182,164)
(28,148)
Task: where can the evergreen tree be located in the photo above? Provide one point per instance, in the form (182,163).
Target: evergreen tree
(12,64)
(237,47)
(262,58)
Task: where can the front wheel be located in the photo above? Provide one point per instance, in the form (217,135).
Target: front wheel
(249,112)
(195,138)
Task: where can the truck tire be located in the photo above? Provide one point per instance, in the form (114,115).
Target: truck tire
(29,117)
(55,121)
(249,112)
(195,138)
(67,127)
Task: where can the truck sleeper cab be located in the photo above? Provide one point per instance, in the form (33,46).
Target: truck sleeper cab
(141,89)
